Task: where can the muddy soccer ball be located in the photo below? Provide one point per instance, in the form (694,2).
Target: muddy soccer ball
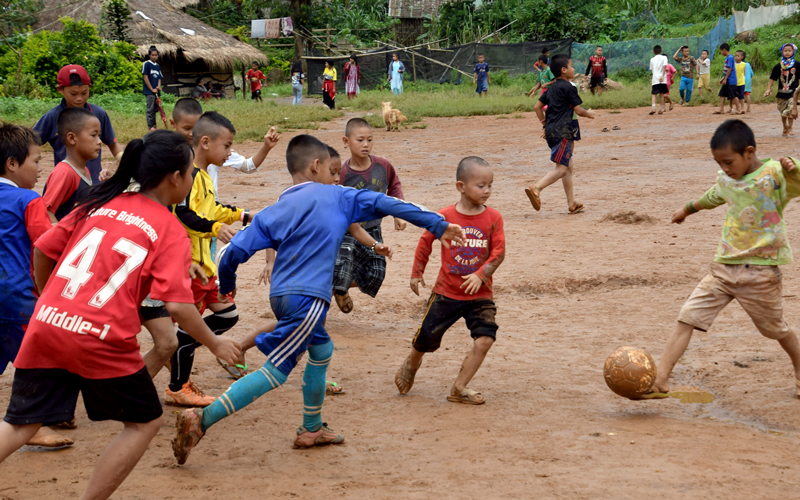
(630,372)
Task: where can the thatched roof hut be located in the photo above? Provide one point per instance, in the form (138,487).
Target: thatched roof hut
(188,47)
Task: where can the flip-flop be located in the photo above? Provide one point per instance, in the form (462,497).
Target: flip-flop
(718,113)
(615,127)
(236,371)
(578,208)
(653,111)
(535,201)
(605,130)
(467,397)
(345,302)
(654,395)
(333,389)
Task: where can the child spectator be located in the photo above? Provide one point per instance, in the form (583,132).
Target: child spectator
(480,77)
(754,243)
(688,69)
(200,91)
(151,87)
(463,288)
(97,265)
(69,182)
(204,218)
(23,219)
(748,80)
(546,53)
(562,100)
(298,82)
(255,77)
(545,78)
(728,82)
(396,70)
(658,66)
(305,227)
(329,85)
(73,83)
(352,77)
(597,67)
(703,73)
(671,71)
(741,71)
(785,73)
(357,264)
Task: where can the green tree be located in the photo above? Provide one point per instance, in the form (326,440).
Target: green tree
(114,21)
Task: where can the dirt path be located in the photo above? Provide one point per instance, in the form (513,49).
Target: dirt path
(572,288)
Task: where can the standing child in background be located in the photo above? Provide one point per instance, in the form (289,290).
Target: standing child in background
(151,86)
(703,73)
(298,82)
(94,268)
(671,71)
(69,182)
(658,66)
(728,82)
(562,100)
(480,77)
(741,70)
(396,70)
(463,288)
(688,69)
(23,219)
(352,77)
(754,243)
(546,53)
(73,83)
(545,78)
(597,67)
(255,77)
(329,85)
(785,73)
(357,264)
(748,80)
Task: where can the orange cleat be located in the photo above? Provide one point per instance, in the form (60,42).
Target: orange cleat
(189,395)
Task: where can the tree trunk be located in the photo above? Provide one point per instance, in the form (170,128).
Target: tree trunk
(298,19)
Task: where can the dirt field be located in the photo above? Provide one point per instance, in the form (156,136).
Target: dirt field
(572,288)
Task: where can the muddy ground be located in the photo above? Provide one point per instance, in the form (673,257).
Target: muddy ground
(572,288)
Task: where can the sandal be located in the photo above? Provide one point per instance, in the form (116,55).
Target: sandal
(577,208)
(535,201)
(467,397)
(236,371)
(404,379)
(615,127)
(652,111)
(718,113)
(604,130)
(332,388)
(344,302)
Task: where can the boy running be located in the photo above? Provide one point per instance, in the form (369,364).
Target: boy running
(688,69)
(305,227)
(357,264)
(703,73)
(73,83)
(255,77)
(728,82)
(785,73)
(481,76)
(545,78)
(562,100)
(597,67)
(464,286)
(658,66)
(754,243)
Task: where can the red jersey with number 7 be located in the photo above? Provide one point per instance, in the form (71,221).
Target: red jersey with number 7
(87,317)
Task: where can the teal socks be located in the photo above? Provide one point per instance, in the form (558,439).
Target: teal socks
(319,357)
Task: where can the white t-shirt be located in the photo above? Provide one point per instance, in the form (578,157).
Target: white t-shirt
(704,67)
(658,65)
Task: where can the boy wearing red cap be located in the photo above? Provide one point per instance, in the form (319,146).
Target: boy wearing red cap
(73,83)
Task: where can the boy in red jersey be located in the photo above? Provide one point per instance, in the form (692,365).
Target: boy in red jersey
(464,286)
(597,67)
(255,77)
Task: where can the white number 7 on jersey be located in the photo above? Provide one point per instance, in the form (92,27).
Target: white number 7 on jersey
(77,273)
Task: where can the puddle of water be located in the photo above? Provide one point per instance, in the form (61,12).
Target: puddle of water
(693,397)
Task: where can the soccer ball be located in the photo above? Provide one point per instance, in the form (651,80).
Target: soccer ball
(630,372)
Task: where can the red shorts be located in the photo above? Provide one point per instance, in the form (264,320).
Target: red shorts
(747,93)
(205,295)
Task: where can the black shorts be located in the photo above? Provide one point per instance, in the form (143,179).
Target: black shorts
(48,396)
(597,81)
(659,88)
(255,94)
(728,91)
(740,91)
(443,312)
(147,313)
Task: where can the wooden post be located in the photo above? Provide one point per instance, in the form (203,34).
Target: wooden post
(328,33)
(414,66)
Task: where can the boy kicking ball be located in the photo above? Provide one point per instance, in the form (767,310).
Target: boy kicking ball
(753,245)
(464,286)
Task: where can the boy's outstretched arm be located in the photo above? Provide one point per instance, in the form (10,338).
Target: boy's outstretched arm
(792,176)
(192,323)
(539,110)
(580,111)
(270,141)
(244,245)
(708,201)
(362,236)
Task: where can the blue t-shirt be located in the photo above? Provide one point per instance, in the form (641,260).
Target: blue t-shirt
(730,62)
(482,69)
(306,227)
(153,73)
(748,77)
(48,131)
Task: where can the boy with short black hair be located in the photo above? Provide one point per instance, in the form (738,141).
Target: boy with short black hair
(255,77)
(481,76)
(562,101)
(688,69)
(357,265)
(79,131)
(463,288)
(703,73)
(73,83)
(754,243)
(23,219)
(597,67)
(728,82)
(545,78)
(786,74)
(658,66)
(305,227)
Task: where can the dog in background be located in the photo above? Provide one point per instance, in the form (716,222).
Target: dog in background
(392,117)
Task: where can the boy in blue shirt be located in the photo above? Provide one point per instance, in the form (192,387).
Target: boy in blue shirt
(481,75)
(23,218)
(728,82)
(306,227)
(151,85)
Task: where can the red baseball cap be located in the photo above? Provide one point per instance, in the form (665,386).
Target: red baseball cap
(65,78)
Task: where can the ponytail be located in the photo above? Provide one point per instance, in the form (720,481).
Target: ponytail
(146,161)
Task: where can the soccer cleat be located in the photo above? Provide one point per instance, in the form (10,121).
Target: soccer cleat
(189,395)
(190,432)
(322,437)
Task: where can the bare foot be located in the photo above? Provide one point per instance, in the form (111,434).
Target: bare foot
(661,387)
(49,438)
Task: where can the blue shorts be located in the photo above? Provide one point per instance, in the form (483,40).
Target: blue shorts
(300,323)
(560,151)
(10,340)
(482,86)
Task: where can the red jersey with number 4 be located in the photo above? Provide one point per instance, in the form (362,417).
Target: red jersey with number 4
(482,253)
(254,77)
(87,317)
